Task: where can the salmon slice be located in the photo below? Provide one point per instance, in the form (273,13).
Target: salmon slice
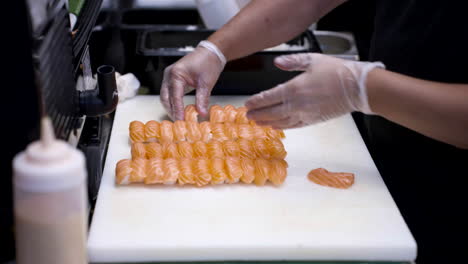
(218,171)
(230,114)
(262,169)
(278,171)
(202,175)
(152,131)
(215,149)
(186,172)
(123,171)
(154,150)
(155,172)
(138,150)
(341,180)
(231,148)
(185,149)
(246,148)
(248,168)
(205,130)
(193,131)
(190,113)
(167,133)
(180,130)
(199,149)
(217,114)
(171,171)
(137,131)
(234,169)
(138,170)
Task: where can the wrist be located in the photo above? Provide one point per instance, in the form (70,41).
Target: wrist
(215,50)
(373,95)
(367,71)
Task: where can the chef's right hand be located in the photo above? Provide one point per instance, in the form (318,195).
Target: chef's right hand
(198,70)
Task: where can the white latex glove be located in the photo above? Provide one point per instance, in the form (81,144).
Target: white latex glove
(198,70)
(328,88)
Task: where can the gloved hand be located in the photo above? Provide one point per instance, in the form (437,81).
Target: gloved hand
(328,88)
(198,70)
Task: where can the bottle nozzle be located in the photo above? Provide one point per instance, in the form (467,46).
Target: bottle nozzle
(47,132)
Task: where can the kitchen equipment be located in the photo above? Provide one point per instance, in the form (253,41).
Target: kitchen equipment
(164,45)
(43,57)
(296,221)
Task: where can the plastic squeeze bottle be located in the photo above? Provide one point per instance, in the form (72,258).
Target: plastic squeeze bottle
(50,202)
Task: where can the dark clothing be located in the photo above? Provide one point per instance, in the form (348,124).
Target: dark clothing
(428,179)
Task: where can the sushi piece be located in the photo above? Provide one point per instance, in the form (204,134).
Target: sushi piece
(230,114)
(138,150)
(231,148)
(217,114)
(123,171)
(248,168)
(152,131)
(170,150)
(262,169)
(246,148)
(180,130)
(276,148)
(234,169)
(199,149)
(218,171)
(341,180)
(202,172)
(193,131)
(138,170)
(185,149)
(217,130)
(215,149)
(205,130)
(190,113)
(241,116)
(155,172)
(167,133)
(154,150)
(261,149)
(171,171)
(137,131)
(186,171)
(231,131)
(278,171)
(245,131)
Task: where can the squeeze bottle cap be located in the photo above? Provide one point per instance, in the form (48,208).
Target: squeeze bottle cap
(48,164)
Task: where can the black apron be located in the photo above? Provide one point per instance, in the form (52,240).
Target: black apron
(428,179)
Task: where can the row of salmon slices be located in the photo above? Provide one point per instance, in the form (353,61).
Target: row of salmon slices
(219,114)
(201,171)
(165,131)
(256,148)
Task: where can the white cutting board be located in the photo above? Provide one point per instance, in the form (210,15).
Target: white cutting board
(296,221)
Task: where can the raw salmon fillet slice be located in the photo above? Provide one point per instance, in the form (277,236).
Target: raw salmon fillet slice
(341,180)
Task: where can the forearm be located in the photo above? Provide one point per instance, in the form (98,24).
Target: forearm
(266,23)
(437,110)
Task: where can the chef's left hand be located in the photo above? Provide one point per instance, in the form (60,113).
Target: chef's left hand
(329,87)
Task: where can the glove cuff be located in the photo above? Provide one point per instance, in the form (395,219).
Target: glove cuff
(212,47)
(365,108)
